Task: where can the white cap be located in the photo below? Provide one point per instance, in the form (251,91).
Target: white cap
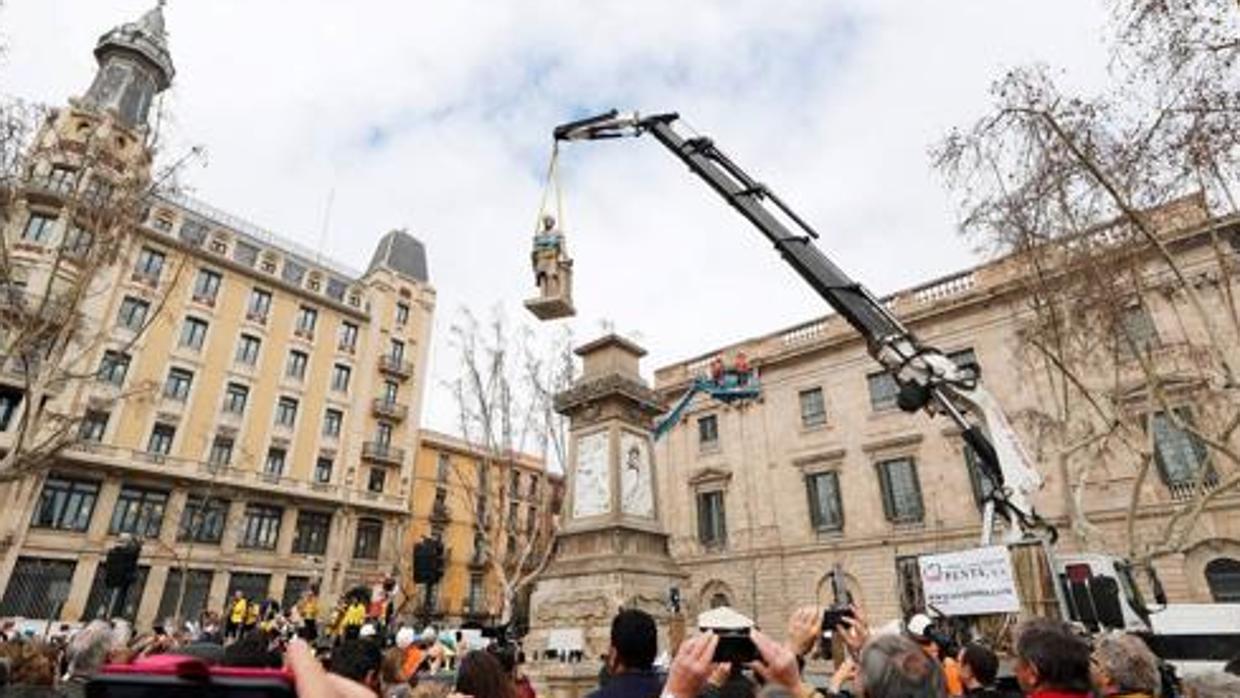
(723,618)
(918,624)
(429,635)
(367,630)
(404,637)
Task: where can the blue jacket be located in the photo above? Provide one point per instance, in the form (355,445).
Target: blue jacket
(632,684)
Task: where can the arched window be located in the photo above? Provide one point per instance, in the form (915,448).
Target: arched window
(1223,578)
(719,599)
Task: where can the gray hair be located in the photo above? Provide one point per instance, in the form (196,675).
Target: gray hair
(89,648)
(892,665)
(1213,685)
(1133,668)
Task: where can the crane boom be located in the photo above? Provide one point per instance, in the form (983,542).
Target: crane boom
(927,378)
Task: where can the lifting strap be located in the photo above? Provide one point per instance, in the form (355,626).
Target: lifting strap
(552,183)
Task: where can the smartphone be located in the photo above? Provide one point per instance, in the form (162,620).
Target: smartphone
(833,618)
(735,647)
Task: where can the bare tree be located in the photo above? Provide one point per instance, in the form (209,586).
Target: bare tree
(504,393)
(1116,210)
(70,208)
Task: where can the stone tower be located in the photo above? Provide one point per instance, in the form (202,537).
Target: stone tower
(134,67)
(612,550)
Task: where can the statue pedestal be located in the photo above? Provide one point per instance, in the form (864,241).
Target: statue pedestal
(561,680)
(612,551)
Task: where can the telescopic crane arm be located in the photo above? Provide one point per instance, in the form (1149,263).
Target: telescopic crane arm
(928,379)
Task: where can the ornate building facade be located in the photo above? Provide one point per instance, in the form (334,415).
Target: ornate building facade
(250,410)
(765,497)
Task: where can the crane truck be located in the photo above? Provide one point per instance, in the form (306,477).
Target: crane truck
(1095,589)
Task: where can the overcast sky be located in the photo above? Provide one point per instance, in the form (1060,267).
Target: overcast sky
(436,117)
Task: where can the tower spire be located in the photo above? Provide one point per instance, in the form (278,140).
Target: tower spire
(134,66)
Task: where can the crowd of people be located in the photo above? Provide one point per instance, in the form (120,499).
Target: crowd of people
(1048,659)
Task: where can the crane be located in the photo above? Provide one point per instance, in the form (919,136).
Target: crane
(928,379)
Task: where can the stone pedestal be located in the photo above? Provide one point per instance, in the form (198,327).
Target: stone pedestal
(612,550)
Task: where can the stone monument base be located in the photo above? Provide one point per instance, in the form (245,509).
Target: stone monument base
(562,680)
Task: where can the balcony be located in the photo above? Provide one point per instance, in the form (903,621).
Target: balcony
(347,347)
(49,190)
(390,409)
(145,278)
(396,366)
(257,317)
(383,453)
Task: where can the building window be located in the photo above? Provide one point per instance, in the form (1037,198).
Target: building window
(203,519)
(261,527)
(66,504)
(884,390)
(139,512)
(1137,331)
(531,520)
(245,253)
(390,391)
(297,361)
(901,490)
(38,228)
(307,318)
(207,286)
(444,463)
(94,425)
(193,233)
(369,536)
(194,595)
(293,272)
(1223,579)
(221,451)
(826,512)
(247,349)
(98,191)
(150,265)
(323,470)
(378,478)
(286,412)
(62,179)
(310,536)
(235,397)
(78,242)
(161,439)
(983,486)
(397,350)
(274,465)
(708,431)
(178,384)
(712,520)
(348,336)
(10,401)
(132,315)
(28,593)
(813,408)
(331,423)
(340,378)
(1179,453)
(402,314)
(533,486)
(113,367)
(474,600)
(383,435)
(194,333)
(259,306)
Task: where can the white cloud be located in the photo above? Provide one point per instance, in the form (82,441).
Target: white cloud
(437,116)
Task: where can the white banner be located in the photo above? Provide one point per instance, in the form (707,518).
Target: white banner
(566,639)
(969,582)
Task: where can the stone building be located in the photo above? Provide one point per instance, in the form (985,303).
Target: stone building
(763,498)
(267,427)
(457,485)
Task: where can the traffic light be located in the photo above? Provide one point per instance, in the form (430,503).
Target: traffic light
(428,561)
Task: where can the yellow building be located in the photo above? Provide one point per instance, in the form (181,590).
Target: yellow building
(480,507)
(254,407)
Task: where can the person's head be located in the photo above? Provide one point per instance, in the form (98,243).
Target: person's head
(1123,664)
(1213,685)
(634,641)
(237,595)
(1049,656)
(978,664)
(391,671)
(88,650)
(358,660)
(251,650)
(894,665)
(921,630)
(404,637)
(480,675)
(33,664)
(1233,667)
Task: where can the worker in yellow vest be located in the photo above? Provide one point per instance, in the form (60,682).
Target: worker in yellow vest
(251,618)
(354,617)
(308,609)
(235,616)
